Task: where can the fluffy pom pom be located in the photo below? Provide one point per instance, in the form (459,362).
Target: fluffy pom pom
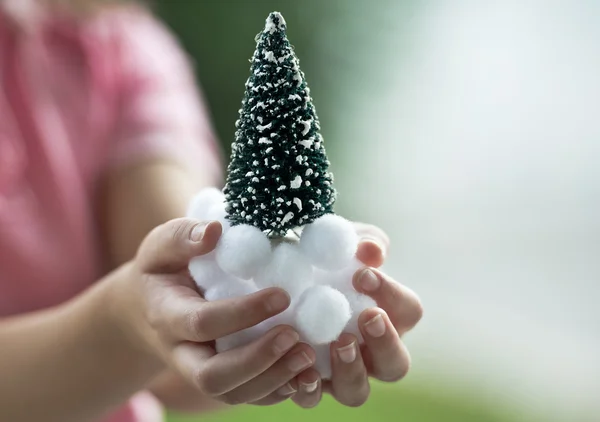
(243,250)
(203,201)
(342,281)
(341,278)
(217,213)
(330,242)
(229,288)
(205,271)
(321,314)
(358,303)
(288,269)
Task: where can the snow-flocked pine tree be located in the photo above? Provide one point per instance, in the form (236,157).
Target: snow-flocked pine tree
(278,175)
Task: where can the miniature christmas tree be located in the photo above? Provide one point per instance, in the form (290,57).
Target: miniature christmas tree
(278,180)
(278,176)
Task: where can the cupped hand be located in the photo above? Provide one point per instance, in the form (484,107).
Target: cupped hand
(383,355)
(166,316)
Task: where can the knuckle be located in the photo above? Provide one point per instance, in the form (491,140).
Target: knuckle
(206,383)
(178,229)
(196,323)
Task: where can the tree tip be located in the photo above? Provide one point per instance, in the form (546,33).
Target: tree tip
(275,22)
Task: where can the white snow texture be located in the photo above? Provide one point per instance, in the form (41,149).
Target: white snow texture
(317,273)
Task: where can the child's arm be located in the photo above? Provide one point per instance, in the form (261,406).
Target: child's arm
(79,360)
(160,110)
(136,199)
(162,189)
(71,362)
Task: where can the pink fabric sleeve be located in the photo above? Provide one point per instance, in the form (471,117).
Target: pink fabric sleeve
(161,111)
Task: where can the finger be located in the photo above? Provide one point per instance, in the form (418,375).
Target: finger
(228,370)
(349,382)
(309,392)
(375,234)
(401,304)
(187,359)
(170,246)
(385,356)
(276,378)
(194,319)
(370,253)
(271,399)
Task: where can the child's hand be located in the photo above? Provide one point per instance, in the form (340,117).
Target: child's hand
(383,355)
(166,316)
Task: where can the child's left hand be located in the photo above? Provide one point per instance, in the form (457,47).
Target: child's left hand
(383,355)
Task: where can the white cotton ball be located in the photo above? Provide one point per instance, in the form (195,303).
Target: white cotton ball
(358,303)
(243,250)
(323,360)
(321,314)
(341,277)
(342,281)
(201,203)
(217,213)
(330,242)
(205,271)
(289,269)
(229,288)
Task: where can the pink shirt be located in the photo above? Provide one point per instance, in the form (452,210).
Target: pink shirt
(76,99)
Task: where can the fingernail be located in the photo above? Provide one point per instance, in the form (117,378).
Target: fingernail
(376,326)
(299,361)
(309,387)
(285,341)
(277,302)
(376,242)
(347,353)
(286,390)
(197,232)
(369,281)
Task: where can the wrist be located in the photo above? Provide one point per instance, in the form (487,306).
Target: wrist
(124,314)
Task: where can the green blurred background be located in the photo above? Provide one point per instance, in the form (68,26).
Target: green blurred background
(452,125)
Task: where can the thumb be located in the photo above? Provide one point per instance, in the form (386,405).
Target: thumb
(170,246)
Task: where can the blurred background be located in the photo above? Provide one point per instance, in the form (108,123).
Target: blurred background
(469,131)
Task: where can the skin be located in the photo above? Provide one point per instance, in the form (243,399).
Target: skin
(145,324)
(150,186)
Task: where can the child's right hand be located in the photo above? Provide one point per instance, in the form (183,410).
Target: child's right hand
(161,311)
